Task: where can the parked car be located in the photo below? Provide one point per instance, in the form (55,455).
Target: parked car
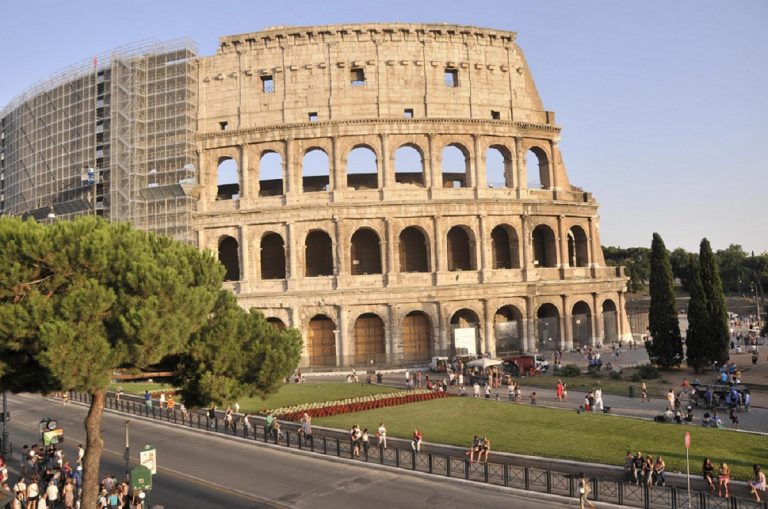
(439,364)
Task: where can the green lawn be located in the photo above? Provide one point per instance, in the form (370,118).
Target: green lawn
(138,388)
(656,388)
(536,431)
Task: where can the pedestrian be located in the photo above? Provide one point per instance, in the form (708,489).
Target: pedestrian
(33,493)
(68,494)
(306,427)
(354,440)
(598,392)
(381,434)
(637,468)
(759,484)
(119,392)
(213,420)
(644,393)
(488,391)
(708,473)
(476,389)
(237,407)
(723,478)
(658,472)
(559,390)
(365,439)
(734,418)
(228,420)
(584,490)
(565,392)
(417,439)
(511,392)
(162,400)
(52,493)
(671,399)
(148,399)
(533,398)
(247,422)
(171,404)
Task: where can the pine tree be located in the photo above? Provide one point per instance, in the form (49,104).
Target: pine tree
(665,348)
(698,319)
(717,339)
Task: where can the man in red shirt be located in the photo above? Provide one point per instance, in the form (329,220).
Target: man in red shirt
(417,438)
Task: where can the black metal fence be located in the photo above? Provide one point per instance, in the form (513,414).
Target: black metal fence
(499,474)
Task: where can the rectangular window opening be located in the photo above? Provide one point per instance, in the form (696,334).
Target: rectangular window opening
(267,84)
(452,78)
(408,113)
(495,115)
(357,76)
(313,116)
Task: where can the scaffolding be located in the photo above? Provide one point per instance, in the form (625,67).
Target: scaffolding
(112,136)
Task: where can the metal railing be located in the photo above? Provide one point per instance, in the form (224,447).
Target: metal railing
(459,467)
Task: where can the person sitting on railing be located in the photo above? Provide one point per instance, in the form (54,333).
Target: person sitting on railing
(474,449)
(759,483)
(485,450)
(723,478)
(417,439)
(708,473)
(658,472)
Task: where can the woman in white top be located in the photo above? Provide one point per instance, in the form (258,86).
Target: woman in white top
(382,434)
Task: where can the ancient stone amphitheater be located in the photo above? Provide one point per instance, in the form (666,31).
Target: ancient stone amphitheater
(395,191)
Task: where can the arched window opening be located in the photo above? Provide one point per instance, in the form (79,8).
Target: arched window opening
(417,337)
(315,171)
(227,179)
(578,253)
(409,166)
(537,165)
(508,330)
(414,251)
(321,341)
(455,167)
(498,167)
(465,328)
(365,252)
(229,256)
(610,322)
(548,327)
(362,169)
(369,340)
(581,324)
(276,323)
(544,247)
(505,248)
(459,250)
(319,254)
(271,174)
(272,257)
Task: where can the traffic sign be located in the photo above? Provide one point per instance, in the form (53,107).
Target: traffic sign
(687,439)
(141,478)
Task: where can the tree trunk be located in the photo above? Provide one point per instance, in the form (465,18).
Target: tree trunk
(93,447)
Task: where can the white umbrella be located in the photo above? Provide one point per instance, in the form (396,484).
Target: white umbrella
(484,363)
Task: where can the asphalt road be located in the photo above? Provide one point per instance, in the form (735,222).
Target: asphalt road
(197,470)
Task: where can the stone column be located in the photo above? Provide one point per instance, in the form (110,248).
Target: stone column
(625,332)
(530,330)
(566,326)
(553,173)
(245,175)
(337,174)
(522,171)
(440,255)
(525,243)
(245,262)
(390,272)
(593,247)
(291,172)
(204,176)
(490,333)
(479,176)
(386,173)
(341,267)
(484,244)
(343,350)
(432,177)
(389,345)
(597,321)
(293,244)
(563,237)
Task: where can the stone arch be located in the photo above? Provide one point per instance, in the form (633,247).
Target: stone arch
(548,327)
(508,330)
(271,181)
(414,250)
(276,322)
(321,341)
(538,163)
(455,166)
(272,256)
(460,249)
(498,167)
(362,168)
(369,339)
(610,321)
(409,165)
(581,324)
(416,330)
(544,246)
(365,252)
(318,260)
(229,257)
(315,171)
(227,179)
(462,321)
(578,247)
(505,247)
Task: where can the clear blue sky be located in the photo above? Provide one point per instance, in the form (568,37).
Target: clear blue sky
(664,104)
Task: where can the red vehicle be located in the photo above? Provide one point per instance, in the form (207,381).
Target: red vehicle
(525,364)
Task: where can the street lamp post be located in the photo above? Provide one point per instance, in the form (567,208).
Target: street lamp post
(6,447)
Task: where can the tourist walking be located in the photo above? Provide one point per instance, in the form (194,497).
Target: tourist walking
(381,433)
(584,490)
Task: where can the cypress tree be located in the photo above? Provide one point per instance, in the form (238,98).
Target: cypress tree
(717,339)
(698,319)
(665,348)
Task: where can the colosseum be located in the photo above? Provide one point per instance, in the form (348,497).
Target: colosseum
(394,191)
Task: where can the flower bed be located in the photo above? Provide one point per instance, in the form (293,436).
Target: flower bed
(362,403)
